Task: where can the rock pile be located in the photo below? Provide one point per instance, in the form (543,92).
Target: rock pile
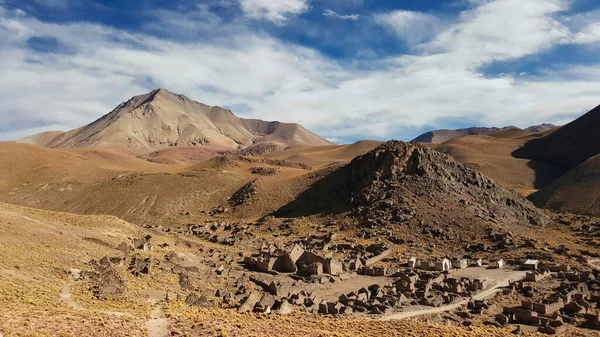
(264,171)
(244,194)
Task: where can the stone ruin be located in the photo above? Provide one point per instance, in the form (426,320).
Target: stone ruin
(294,260)
(574,301)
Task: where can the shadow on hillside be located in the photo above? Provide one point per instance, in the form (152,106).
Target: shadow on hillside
(327,196)
(545,171)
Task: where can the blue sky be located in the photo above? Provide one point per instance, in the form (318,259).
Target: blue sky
(346,69)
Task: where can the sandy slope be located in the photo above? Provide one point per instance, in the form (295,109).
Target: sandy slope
(38,248)
(42,139)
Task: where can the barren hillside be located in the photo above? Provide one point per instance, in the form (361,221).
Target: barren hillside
(494,157)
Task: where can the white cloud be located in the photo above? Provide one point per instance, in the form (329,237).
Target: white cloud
(281,81)
(277,11)
(501,30)
(588,34)
(335,140)
(332,14)
(411,27)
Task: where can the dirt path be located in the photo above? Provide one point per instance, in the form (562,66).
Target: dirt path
(479,296)
(158,325)
(65,296)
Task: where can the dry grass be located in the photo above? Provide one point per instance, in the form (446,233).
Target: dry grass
(200,322)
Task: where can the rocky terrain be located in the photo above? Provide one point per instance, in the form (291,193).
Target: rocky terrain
(261,236)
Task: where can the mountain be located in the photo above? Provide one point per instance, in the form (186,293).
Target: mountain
(444,135)
(160,119)
(577,191)
(574,147)
(569,145)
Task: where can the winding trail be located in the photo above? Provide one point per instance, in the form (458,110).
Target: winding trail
(479,296)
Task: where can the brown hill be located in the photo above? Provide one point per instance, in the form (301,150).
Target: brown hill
(161,119)
(494,157)
(444,135)
(577,191)
(569,145)
(88,181)
(42,139)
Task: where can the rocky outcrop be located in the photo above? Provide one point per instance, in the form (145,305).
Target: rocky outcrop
(399,181)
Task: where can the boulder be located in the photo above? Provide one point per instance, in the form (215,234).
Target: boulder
(573,307)
(125,247)
(198,300)
(502,319)
(109,284)
(265,304)
(285,308)
(323,307)
(266,265)
(188,282)
(140,266)
(250,301)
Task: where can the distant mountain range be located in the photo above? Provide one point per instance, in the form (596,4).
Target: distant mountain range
(161,120)
(443,135)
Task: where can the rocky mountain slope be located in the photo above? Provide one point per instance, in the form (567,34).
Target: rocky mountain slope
(162,120)
(410,193)
(440,136)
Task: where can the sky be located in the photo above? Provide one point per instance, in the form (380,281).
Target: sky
(345,69)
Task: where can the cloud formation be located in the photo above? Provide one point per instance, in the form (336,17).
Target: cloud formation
(332,14)
(411,27)
(438,81)
(277,11)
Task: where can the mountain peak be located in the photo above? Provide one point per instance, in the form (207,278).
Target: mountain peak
(162,119)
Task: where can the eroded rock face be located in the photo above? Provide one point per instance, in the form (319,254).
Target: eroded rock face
(398,181)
